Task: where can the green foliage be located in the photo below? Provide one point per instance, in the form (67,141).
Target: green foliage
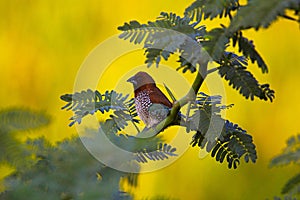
(137,33)
(215,43)
(52,171)
(248,49)
(161,43)
(40,168)
(204,9)
(292,186)
(20,119)
(206,109)
(243,81)
(186,36)
(236,143)
(171,34)
(143,149)
(89,102)
(223,139)
(258,13)
(42,171)
(164,37)
(15,120)
(55,173)
(163,151)
(218,136)
(290,155)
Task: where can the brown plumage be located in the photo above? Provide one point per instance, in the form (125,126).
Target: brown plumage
(151,104)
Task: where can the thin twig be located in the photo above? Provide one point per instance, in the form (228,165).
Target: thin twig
(137,128)
(212,70)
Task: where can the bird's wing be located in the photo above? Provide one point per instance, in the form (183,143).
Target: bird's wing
(157,113)
(159,110)
(156,96)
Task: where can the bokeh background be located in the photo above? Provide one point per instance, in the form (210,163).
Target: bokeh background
(43,43)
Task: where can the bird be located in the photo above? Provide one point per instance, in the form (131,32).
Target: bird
(151,103)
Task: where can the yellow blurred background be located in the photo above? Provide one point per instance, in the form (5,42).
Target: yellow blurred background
(42,46)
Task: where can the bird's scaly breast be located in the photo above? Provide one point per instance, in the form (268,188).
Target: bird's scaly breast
(142,103)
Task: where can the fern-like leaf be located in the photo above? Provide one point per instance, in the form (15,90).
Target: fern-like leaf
(162,37)
(204,9)
(132,179)
(233,59)
(185,65)
(163,151)
(215,43)
(292,186)
(47,172)
(206,113)
(143,149)
(240,142)
(224,140)
(137,33)
(260,14)
(230,146)
(165,44)
(291,154)
(191,55)
(248,49)
(134,31)
(89,102)
(13,120)
(20,119)
(209,123)
(243,81)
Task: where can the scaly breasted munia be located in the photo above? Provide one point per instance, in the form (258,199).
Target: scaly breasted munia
(151,104)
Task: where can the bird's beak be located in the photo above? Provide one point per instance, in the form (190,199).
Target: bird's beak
(132,80)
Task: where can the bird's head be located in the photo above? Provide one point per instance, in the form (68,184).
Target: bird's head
(140,79)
